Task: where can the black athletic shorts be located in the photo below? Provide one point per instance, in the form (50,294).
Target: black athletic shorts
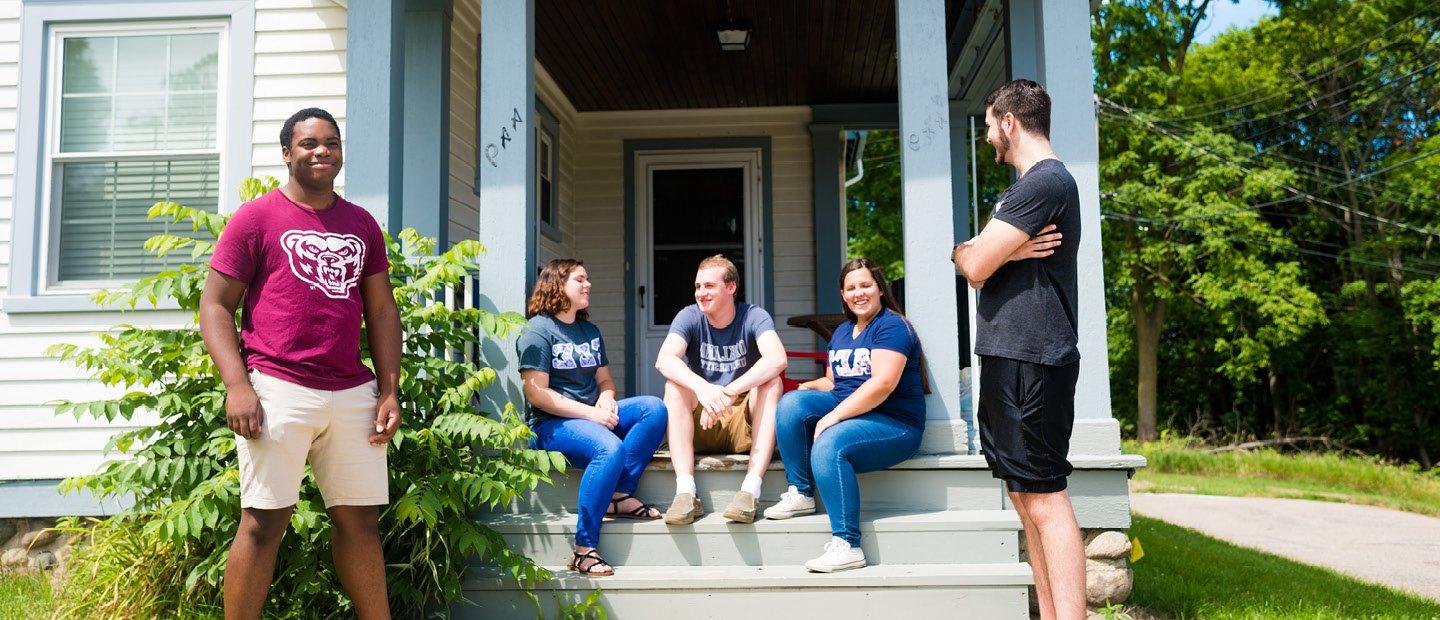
(1026,412)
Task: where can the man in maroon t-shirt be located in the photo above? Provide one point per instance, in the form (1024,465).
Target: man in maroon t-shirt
(308,265)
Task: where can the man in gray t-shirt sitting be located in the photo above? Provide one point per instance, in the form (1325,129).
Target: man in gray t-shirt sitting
(722,362)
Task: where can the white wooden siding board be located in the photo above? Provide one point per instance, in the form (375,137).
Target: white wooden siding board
(314,41)
(44,417)
(40,392)
(30,441)
(294,4)
(50,464)
(301,85)
(10,9)
(24,369)
(276,108)
(296,20)
(307,62)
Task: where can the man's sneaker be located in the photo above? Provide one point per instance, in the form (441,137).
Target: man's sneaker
(684,510)
(838,556)
(793,503)
(742,508)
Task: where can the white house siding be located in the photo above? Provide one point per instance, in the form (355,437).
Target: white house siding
(299,62)
(599,207)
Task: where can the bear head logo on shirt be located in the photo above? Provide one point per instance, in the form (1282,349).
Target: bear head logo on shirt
(328,261)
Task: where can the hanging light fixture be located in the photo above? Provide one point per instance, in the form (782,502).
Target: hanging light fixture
(733,34)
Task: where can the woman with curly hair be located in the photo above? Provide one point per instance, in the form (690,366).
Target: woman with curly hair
(573,411)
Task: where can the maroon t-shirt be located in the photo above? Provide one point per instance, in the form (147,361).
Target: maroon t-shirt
(302,270)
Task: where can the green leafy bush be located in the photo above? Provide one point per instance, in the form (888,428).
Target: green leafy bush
(164,557)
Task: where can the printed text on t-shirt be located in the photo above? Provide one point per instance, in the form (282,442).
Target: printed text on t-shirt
(567,355)
(723,358)
(850,362)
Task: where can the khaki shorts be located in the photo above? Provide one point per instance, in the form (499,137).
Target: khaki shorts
(731,435)
(332,428)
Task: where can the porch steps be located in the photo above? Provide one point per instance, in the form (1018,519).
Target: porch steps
(763,592)
(944,537)
(935,529)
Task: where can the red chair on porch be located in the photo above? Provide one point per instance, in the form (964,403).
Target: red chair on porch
(819,358)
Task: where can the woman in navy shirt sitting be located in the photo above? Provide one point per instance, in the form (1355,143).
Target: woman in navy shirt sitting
(867,413)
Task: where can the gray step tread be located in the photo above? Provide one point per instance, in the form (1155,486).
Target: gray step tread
(714,522)
(740,462)
(764,577)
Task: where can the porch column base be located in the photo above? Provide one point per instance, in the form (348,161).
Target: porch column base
(945,436)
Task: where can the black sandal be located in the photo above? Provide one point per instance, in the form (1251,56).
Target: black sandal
(641,512)
(577,559)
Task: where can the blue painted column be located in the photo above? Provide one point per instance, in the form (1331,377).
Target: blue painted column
(426,161)
(925,178)
(826,145)
(506,167)
(374,108)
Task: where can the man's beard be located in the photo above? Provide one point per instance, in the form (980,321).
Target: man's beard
(1002,149)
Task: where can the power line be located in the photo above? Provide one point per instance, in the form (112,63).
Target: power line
(1301,193)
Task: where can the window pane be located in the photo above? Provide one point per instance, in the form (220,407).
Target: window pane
(102,213)
(194,62)
(139,123)
(547,204)
(86,124)
(140,64)
(89,65)
(703,205)
(191,123)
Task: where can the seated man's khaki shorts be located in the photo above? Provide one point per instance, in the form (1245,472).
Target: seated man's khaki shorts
(731,435)
(332,428)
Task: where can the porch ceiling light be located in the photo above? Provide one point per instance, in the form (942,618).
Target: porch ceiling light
(733,34)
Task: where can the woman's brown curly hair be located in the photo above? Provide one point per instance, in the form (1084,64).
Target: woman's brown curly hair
(549,295)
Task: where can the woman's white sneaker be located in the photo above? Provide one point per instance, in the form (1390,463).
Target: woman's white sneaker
(793,503)
(838,556)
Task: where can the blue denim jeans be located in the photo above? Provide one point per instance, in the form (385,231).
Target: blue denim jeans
(868,442)
(613,458)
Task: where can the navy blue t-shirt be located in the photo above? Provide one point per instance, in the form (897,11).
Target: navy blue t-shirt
(720,355)
(850,363)
(570,353)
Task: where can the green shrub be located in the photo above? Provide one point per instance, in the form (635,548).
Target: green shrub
(164,557)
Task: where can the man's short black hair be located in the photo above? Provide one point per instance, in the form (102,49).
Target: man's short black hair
(287,131)
(1026,100)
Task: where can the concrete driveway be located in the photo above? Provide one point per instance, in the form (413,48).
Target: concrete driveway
(1379,545)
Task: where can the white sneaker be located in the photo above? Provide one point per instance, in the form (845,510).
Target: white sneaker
(838,556)
(793,503)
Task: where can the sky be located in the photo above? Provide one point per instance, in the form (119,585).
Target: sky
(1223,15)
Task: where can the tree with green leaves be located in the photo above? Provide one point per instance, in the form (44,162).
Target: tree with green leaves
(1182,228)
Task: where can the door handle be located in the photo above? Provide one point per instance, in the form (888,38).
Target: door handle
(642,296)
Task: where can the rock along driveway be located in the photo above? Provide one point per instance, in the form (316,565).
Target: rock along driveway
(1379,545)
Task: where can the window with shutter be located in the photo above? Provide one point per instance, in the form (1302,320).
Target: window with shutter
(136,112)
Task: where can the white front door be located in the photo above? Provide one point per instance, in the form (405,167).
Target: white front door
(690,205)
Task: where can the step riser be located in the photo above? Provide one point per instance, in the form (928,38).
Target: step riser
(778,603)
(743,546)
(893,489)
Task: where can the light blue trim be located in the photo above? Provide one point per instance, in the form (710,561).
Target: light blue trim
(374,108)
(71,303)
(426,161)
(26,499)
(1023,30)
(550,125)
(766,207)
(36,18)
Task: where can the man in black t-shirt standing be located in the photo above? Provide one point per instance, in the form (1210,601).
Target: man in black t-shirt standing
(1025,335)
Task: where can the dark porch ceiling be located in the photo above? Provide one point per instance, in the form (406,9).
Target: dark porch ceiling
(662,54)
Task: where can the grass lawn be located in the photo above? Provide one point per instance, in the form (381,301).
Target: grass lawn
(24,595)
(1187,574)
(1178,466)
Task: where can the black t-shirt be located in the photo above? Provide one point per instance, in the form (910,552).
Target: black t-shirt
(1026,311)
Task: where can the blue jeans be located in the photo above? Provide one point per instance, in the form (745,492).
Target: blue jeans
(613,458)
(868,442)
